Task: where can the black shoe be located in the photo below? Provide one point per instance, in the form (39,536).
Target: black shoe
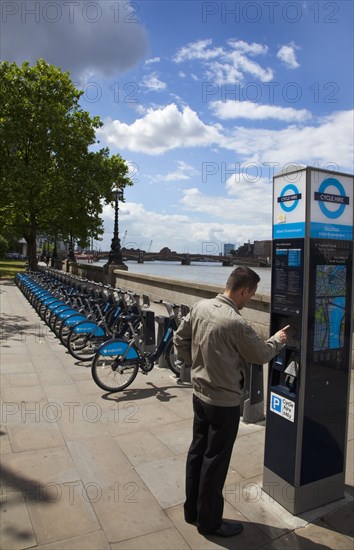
(226,529)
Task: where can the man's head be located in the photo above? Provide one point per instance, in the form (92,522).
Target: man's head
(241,285)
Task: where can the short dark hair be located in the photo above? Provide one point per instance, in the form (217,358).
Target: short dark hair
(242,277)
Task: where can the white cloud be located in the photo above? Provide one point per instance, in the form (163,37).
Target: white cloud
(98,37)
(184,172)
(226,65)
(253,201)
(152,60)
(253,49)
(330,141)
(160,130)
(153,83)
(166,128)
(181,232)
(287,55)
(230,109)
(197,50)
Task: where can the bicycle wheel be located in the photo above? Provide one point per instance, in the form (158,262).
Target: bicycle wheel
(83,346)
(61,318)
(173,361)
(112,375)
(64,334)
(68,325)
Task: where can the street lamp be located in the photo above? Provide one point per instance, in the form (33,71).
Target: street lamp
(71,253)
(115,254)
(55,250)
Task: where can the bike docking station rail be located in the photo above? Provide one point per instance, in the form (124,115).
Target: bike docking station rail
(162,323)
(252,408)
(309,380)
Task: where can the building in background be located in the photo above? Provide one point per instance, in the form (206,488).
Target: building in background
(262,249)
(228,248)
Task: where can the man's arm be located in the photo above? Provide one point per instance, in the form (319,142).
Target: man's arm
(182,340)
(254,349)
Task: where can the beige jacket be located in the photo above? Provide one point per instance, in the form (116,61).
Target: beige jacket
(217,342)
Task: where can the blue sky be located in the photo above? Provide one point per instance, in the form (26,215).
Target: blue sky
(205,100)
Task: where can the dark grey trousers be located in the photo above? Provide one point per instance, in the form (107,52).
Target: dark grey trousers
(214,433)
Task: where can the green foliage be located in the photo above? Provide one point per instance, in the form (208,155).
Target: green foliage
(52,182)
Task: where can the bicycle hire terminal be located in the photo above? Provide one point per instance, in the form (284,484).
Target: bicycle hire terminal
(309,380)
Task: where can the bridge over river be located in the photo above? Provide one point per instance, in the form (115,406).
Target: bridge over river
(140,256)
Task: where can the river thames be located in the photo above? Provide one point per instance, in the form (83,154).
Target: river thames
(210,273)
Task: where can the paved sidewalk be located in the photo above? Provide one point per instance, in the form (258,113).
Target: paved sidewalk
(85,470)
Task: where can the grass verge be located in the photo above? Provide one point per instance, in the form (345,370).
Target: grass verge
(8,268)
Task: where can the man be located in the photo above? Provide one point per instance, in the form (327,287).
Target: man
(217,342)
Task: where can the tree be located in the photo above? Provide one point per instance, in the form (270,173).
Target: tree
(4,246)
(52,181)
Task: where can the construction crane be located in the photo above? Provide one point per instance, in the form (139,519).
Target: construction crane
(149,247)
(124,237)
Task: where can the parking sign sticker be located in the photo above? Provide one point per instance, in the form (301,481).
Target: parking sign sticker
(282,406)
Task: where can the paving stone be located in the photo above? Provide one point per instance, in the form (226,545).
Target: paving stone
(50,377)
(142,447)
(177,440)
(65,393)
(248,498)
(44,466)
(16,363)
(35,435)
(168,427)
(252,447)
(87,387)
(127,508)
(168,539)
(135,416)
(350,426)
(104,468)
(19,380)
(311,537)
(246,428)
(341,519)
(182,405)
(5,445)
(30,394)
(91,541)
(16,528)
(349,471)
(86,424)
(251,537)
(66,513)
(165,479)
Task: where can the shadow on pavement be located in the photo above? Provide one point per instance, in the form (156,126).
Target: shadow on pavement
(160,393)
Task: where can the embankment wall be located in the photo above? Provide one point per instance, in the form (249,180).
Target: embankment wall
(180,292)
(183,292)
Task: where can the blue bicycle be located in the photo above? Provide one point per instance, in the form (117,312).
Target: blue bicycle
(116,363)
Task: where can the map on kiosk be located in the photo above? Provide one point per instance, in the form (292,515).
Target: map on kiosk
(329,307)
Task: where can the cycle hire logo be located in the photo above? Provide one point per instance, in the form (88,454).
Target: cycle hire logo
(334,199)
(288,202)
(331,209)
(289,207)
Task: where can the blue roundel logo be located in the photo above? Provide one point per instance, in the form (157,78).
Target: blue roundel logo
(331,182)
(294,190)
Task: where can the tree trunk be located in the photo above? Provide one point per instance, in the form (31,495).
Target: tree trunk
(32,251)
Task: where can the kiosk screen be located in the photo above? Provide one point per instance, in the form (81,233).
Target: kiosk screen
(287,276)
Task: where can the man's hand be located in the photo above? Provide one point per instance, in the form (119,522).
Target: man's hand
(282,335)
